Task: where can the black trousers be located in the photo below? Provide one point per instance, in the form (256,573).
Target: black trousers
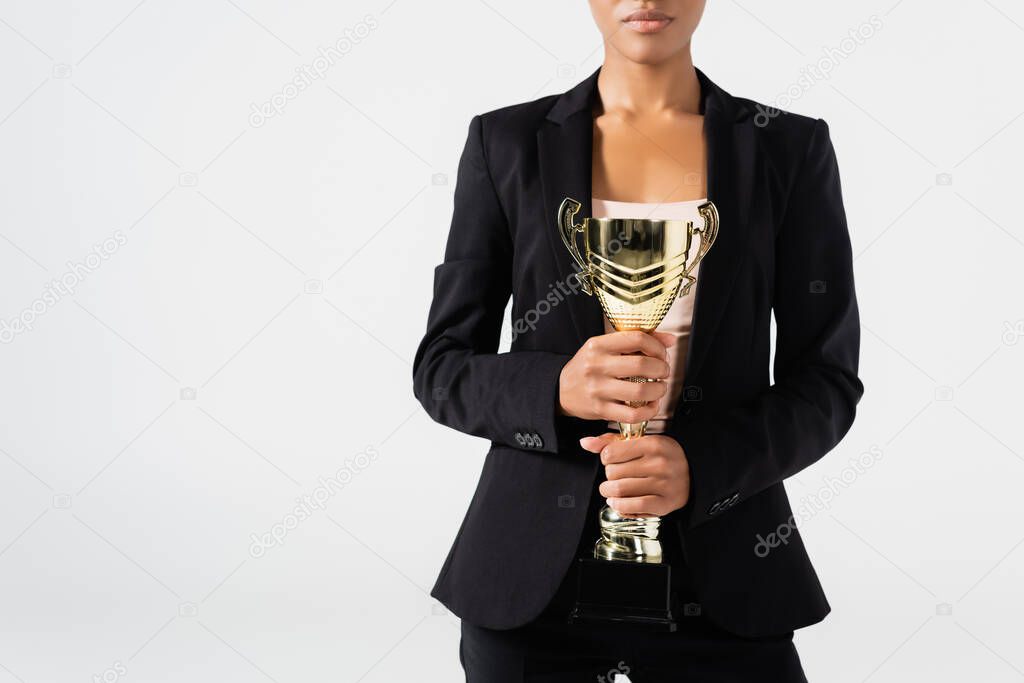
(552,652)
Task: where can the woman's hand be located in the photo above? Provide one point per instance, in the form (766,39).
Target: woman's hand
(649,475)
(593,384)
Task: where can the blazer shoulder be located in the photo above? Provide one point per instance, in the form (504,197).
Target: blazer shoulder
(510,127)
(779,125)
(521,114)
(766,114)
(787,139)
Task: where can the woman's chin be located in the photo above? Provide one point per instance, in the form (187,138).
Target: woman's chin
(648,52)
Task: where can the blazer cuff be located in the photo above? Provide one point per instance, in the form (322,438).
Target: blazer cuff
(545,429)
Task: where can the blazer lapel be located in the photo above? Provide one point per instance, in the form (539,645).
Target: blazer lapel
(564,150)
(731,160)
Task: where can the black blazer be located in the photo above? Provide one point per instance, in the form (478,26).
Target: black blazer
(783,245)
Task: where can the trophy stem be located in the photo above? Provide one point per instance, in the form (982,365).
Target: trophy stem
(632,430)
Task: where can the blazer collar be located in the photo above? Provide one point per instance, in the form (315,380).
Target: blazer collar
(565,152)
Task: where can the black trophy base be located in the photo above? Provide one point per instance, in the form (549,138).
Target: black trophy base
(631,593)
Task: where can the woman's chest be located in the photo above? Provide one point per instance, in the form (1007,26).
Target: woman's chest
(652,159)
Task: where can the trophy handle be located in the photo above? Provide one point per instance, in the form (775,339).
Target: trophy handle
(568,228)
(709,212)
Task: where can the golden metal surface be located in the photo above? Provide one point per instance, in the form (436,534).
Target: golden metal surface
(636,267)
(631,539)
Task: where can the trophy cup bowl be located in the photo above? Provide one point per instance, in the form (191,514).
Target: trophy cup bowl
(636,267)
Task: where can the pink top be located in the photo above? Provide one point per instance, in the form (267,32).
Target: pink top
(679,317)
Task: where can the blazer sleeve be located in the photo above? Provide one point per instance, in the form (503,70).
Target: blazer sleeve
(458,376)
(735,453)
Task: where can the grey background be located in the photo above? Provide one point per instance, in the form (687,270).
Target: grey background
(255,330)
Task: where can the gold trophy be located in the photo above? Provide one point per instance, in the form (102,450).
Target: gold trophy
(637,267)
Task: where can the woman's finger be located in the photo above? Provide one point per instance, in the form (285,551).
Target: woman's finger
(627,488)
(595,444)
(637,467)
(634,366)
(624,390)
(620,412)
(632,341)
(640,505)
(622,450)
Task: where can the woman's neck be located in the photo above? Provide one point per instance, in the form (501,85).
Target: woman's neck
(635,89)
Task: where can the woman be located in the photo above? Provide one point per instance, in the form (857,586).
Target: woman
(645,135)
